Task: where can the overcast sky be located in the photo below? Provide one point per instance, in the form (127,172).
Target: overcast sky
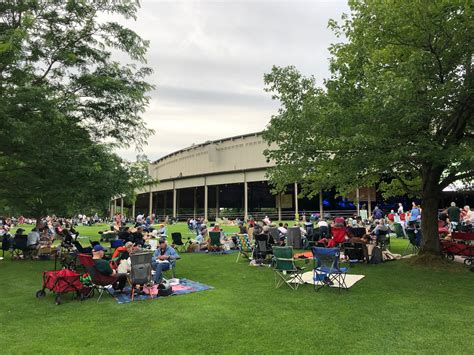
(209,58)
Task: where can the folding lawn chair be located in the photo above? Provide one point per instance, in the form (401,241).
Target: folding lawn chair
(414,241)
(171,272)
(286,271)
(244,245)
(81,249)
(178,243)
(5,244)
(327,270)
(398,229)
(20,248)
(140,272)
(99,283)
(215,242)
(262,247)
(383,240)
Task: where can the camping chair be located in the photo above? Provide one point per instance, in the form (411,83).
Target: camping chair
(81,249)
(5,244)
(99,283)
(178,242)
(354,252)
(286,272)
(398,229)
(275,233)
(20,248)
(383,240)
(327,270)
(171,272)
(215,241)
(358,232)
(262,247)
(245,248)
(140,272)
(338,236)
(414,241)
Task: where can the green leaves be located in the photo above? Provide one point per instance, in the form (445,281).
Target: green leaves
(398,104)
(64,104)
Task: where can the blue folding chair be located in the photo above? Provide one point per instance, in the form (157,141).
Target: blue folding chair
(327,271)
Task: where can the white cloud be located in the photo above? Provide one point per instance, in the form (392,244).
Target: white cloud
(209,59)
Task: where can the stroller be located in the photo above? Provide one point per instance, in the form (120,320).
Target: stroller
(461,245)
(59,282)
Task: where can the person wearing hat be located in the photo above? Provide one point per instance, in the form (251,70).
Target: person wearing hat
(163,259)
(107,274)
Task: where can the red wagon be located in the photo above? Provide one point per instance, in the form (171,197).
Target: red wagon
(462,244)
(59,282)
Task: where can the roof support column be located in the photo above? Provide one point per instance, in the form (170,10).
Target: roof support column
(150,203)
(195,203)
(206,198)
(246,198)
(175,200)
(217,202)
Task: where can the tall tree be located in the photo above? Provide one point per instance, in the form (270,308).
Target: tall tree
(63,96)
(399,105)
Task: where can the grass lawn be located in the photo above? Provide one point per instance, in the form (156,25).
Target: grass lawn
(396,308)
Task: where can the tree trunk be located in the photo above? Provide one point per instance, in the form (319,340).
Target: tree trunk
(429,214)
(429,226)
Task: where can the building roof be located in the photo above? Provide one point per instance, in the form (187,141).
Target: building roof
(194,146)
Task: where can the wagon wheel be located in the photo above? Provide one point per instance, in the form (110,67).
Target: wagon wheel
(40,294)
(449,257)
(57,300)
(468,261)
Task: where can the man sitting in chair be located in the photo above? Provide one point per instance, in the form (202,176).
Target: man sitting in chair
(163,259)
(107,274)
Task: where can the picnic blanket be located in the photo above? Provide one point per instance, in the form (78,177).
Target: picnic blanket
(350,279)
(185,286)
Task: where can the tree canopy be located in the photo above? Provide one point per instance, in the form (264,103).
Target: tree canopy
(398,106)
(65,103)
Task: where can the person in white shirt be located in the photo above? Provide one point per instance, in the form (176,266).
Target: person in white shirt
(282,230)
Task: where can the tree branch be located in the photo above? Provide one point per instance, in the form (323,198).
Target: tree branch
(453,177)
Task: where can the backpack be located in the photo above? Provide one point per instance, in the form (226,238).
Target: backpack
(164,288)
(376,257)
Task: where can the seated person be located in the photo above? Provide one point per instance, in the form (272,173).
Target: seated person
(339,222)
(33,242)
(216,228)
(258,228)
(163,258)
(125,234)
(381,230)
(281,229)
(242,228)
(123,252)
(323,228)
(105,273)
(137,237)
(162,230)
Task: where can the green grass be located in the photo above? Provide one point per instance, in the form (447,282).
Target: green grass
(396,308)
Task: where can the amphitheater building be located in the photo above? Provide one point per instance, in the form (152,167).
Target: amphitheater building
(227,178)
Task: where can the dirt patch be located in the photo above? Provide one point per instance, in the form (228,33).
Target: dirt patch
(436,262)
